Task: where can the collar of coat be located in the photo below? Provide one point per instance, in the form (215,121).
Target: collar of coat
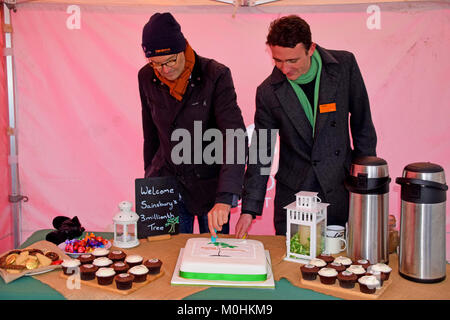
(277,76)
(196,75)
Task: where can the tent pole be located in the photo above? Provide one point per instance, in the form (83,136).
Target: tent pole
(15,198)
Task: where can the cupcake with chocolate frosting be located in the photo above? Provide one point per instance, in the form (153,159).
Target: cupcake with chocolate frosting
(336,265)
(87,271)
(120,267)
(153,265)
(86,258)
(124,281)
(117,255)
(328,258)
(347,279)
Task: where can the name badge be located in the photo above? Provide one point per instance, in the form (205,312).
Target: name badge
(329,107)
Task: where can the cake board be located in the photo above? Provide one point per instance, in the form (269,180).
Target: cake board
(267,284)
(336,290)
(113,288)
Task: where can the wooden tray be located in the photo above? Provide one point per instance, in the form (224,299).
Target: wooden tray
(336,290)
(113,288)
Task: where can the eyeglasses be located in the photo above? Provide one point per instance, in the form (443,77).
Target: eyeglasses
(170,63)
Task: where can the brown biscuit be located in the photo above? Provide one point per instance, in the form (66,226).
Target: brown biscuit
(33,252)
(13,266)
(52,255)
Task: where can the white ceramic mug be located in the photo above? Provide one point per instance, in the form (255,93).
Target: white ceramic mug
(335,231)
(335,245)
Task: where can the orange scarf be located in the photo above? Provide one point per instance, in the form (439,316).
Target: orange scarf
(178,86)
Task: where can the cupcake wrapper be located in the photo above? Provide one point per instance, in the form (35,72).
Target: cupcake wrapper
(309,276)
(104,281)
(366,289)
(87,276)
(347,284)
(124,285)
(140,277)
(327,280)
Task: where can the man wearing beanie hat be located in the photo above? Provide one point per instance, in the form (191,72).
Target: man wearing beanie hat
(180,90)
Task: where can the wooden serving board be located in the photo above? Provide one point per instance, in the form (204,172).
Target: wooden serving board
(337,290)
(113,288)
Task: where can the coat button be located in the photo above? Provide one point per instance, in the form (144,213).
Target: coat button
(337,152)
(333,124)
(154,79)
(192,85)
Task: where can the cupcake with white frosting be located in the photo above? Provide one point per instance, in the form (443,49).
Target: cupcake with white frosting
(102,262)
(363,262)
(357,269)
(100,252)
(309,271)
(105,276)
(134,260)
(139,272)
(318,262)
(70,266)
(328,275)
(368,284)
(344,261)
(383,268)
(87,271)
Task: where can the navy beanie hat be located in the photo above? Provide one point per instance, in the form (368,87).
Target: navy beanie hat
(162,36)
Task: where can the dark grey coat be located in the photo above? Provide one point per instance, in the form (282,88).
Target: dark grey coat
(210,98)
(320,163)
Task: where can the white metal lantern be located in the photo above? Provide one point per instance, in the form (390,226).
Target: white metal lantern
(125,226)
(306,226)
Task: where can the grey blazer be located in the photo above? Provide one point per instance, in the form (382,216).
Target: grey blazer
(325,157)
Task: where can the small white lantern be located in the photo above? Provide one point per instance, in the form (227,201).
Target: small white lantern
(125,226)
(306,226)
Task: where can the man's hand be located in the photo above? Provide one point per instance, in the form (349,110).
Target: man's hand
(244,222)
(217,217)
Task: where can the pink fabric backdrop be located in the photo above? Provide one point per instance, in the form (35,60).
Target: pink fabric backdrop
(79,110)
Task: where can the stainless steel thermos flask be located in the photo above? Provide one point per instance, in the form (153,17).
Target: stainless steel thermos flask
(367,230)
(422,223)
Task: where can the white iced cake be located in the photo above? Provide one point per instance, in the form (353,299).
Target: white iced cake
(226,259)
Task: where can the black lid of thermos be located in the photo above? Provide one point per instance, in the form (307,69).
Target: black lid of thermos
(423,182)
(368,175)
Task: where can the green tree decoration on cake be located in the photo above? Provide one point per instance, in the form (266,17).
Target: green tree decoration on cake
(172,222)
(221,245)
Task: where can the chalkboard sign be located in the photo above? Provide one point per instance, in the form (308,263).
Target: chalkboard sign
(157,201)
